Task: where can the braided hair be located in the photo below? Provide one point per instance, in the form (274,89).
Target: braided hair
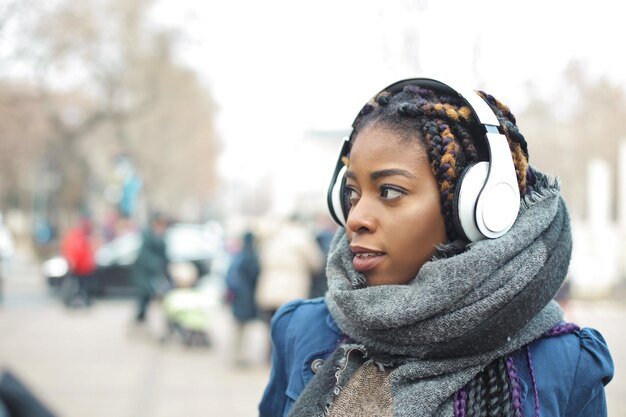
(493,392)
(450,134)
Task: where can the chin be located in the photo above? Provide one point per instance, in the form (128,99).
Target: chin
(375,280)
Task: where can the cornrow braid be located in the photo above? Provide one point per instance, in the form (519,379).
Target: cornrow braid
(449,132)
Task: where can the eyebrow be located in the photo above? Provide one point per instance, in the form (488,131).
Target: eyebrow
(384,173)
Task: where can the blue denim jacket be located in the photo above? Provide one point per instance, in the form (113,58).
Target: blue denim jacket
(570,370)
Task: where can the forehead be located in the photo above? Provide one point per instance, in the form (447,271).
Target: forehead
(382,148)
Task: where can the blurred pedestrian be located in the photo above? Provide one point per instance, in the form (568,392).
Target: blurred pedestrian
(44,236)
(7,249)
(17,400)
(324,235)
(186,307)
(149,272)
(289,258)
(78,251)
(241,282)
(441,278)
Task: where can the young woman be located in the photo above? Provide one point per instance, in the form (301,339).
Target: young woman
(441,283)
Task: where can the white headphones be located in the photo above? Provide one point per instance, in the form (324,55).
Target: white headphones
(487,198)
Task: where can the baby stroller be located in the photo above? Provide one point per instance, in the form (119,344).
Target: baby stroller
(186,308)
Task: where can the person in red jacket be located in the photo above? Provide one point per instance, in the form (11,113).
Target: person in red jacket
(79,254)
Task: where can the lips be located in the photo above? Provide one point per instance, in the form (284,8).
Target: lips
(366,259)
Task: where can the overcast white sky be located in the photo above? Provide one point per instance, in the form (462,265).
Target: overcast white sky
(278,67)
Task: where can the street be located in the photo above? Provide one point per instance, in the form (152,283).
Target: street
(96,363)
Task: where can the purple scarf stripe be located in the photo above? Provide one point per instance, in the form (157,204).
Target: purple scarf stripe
(532,377)
(562,328)
(516,393)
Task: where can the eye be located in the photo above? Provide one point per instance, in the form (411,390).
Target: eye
(352,196)
(390,193)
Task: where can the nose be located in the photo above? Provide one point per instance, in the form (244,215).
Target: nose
(361,218)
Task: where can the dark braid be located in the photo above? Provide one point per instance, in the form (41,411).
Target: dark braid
(448,130)
(517,142)
(482,403)
(472,398)
(490,392)
(499,397)
(506,391)
(442,150)
(467,144)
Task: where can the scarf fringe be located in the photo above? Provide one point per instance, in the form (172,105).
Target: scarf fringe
(546,186)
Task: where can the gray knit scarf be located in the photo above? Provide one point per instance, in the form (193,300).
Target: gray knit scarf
(458,315)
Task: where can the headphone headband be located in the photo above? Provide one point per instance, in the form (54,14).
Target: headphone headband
(480,108)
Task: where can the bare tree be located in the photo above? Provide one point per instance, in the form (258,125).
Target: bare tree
(108,83)
(23,129)
(174,143)
(92,49)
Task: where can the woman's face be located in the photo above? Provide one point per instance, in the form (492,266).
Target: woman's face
(395,218)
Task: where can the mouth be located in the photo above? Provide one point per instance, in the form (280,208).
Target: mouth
(366,259)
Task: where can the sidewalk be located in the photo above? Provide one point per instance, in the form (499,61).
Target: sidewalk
(96,363)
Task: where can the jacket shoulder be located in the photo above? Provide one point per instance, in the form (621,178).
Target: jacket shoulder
(295,316)
(594,370)
(300,307)
(570,370)
(302,338)
(585,347)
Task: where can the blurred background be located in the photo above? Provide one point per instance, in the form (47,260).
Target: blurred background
(159,157)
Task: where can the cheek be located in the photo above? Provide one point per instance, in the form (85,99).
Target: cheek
(418,235)
(422,220)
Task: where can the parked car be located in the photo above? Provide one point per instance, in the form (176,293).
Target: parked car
(185,242)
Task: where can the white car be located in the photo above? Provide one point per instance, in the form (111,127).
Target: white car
(185,242)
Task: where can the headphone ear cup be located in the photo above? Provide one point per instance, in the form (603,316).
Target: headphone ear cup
(336,197)
(469,186)
(345,200)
